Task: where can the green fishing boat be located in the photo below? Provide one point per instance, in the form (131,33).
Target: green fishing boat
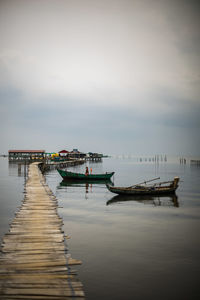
(66,175)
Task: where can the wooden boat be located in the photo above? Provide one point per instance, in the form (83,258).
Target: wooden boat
(166,187)
(66,175)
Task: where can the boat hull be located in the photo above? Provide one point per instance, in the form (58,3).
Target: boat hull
(124,191)
(82,177)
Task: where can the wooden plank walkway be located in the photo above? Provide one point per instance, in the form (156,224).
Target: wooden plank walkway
(33,261)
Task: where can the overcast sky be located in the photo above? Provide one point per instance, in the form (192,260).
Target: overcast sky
(111,76)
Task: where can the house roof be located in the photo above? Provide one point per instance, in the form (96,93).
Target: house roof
(63,151)
(26,151)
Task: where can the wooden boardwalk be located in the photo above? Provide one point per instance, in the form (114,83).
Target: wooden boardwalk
(49,165)
(33,261)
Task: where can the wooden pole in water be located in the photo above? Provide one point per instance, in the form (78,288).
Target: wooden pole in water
(19,169)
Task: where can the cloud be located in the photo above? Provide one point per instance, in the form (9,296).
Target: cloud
(111,74)
(83,49)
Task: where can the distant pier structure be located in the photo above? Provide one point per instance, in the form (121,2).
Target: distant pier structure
(195,162)
(25,155)
(28,156)
(97,157)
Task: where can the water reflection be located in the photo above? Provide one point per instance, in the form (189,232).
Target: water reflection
(170,200)
(18,169)
(82,183)
(89,184)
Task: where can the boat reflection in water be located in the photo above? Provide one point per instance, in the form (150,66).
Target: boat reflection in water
(165,200)
(88,184)
(82,183)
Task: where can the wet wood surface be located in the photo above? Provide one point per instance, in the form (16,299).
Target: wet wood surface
(34,263)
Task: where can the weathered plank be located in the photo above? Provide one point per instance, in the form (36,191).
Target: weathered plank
(46,292)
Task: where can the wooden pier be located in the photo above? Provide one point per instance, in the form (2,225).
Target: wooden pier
(34,263)
(50,165)
(95,158)
(195,162)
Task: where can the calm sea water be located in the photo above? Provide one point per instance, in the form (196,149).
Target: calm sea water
(135,249)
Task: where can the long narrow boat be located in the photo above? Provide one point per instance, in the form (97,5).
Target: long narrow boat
(66,175)
(139,189)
